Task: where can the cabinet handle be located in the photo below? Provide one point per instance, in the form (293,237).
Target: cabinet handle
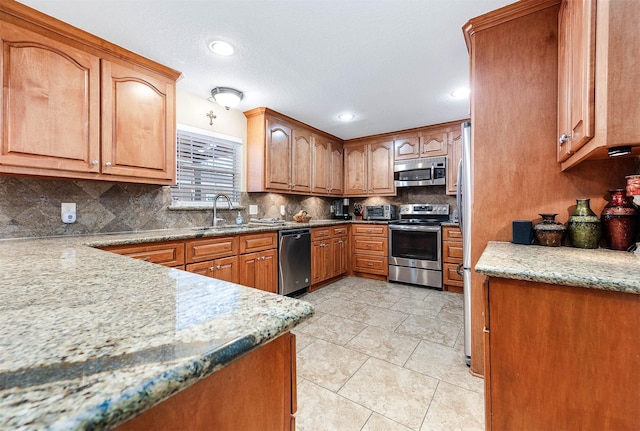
(369,264)
(564,138)
(213,268)
(146,259)
(218,267)
(107,164)
(369,245)
(94,162)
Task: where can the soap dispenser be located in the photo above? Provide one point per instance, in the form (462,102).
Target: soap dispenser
(239,219)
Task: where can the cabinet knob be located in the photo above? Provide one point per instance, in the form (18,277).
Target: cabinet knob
(564,138)
(218,267)
(213,268)
(107,164)
(94,162)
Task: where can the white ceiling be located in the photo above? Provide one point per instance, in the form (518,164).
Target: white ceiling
(393,63)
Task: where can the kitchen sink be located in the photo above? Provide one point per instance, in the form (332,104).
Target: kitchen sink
(226,227)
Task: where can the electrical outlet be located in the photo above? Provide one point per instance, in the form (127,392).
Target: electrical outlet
(283,212)
(253,209)
(68,212)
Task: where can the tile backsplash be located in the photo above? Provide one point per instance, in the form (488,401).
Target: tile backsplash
(30,207)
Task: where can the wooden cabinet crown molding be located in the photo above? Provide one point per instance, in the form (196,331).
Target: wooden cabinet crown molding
(399,134)
(503,15)
(33,20)
(264,111)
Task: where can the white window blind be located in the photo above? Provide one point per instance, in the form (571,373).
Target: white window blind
(207,164)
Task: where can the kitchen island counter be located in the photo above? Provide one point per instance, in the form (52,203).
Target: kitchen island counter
(603,269)
(90,339)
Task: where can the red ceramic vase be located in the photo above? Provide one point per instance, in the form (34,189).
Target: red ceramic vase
(619,221)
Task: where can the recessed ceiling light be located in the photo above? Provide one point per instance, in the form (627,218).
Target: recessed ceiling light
(460,93)
(221,48)
(346,116)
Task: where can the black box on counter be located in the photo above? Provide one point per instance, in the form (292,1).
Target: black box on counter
(522,232)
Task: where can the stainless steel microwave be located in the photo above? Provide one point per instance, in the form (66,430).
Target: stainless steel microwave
(431,171)
(380,212)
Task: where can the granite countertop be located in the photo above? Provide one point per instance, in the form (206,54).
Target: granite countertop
(90,338)
(604,269)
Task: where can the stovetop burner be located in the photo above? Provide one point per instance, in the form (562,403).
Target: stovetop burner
(423,214)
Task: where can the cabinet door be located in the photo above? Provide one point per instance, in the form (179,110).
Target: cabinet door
(301,160)
(278,155)
(336,170)
(138,124)
(434,143)
(407,147)
(380,169)
(50,106)
(355,170)
(226,269)
(267,272)
(454,154)
(321,177)
(317,261)
(338,256)
(576,91)
(202,268)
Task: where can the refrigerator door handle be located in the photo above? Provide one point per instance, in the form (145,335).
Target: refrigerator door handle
(459,196)
(460,270)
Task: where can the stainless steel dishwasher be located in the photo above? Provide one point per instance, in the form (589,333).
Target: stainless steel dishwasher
(294,252)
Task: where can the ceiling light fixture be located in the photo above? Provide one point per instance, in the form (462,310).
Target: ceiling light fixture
(460,93)
(346,116)
(227,97)
(221,48)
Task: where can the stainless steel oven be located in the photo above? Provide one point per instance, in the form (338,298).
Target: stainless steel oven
(415,245)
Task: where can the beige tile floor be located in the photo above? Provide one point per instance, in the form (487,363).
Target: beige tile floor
(385,356)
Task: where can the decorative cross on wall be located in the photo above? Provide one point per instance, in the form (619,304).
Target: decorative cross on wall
(211,116)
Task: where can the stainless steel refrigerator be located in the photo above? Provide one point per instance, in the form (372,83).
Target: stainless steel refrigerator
(464,199)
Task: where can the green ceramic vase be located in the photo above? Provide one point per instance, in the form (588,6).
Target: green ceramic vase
(584,226)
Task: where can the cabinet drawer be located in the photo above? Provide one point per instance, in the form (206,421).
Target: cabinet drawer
(321,233)
(369,245)
(163,253)
(258,242)
(451,233)
(337,231)
(370,264)
(450,276)
(369,229)
(452,251)
(211,248)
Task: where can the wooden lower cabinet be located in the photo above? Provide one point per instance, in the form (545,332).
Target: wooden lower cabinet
(170,253)
(560,357)
(369,251)
(226,268)
(254,393)
(451,258)
(329,256)
(259,270)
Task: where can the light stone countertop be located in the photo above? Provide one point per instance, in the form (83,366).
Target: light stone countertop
(89,339)
(604,269)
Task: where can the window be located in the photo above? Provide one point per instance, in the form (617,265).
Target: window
(207,164)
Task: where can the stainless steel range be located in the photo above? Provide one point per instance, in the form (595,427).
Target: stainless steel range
(415,245)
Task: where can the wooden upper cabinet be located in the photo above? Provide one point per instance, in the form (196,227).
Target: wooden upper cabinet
(369,169)
(433,143)
(301,149)
(407,147)
(355,170)
(75,106)
(576,85)
(138,123)
(327,161)
(454,155)
(380,169)
(283,155)
(278,161)
(598,79)
(48,123)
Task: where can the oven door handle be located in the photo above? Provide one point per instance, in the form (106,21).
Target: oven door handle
(415,228)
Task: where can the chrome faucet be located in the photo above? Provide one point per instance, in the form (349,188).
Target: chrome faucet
(215,209)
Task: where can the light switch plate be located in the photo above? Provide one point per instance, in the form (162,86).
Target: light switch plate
(253,209)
